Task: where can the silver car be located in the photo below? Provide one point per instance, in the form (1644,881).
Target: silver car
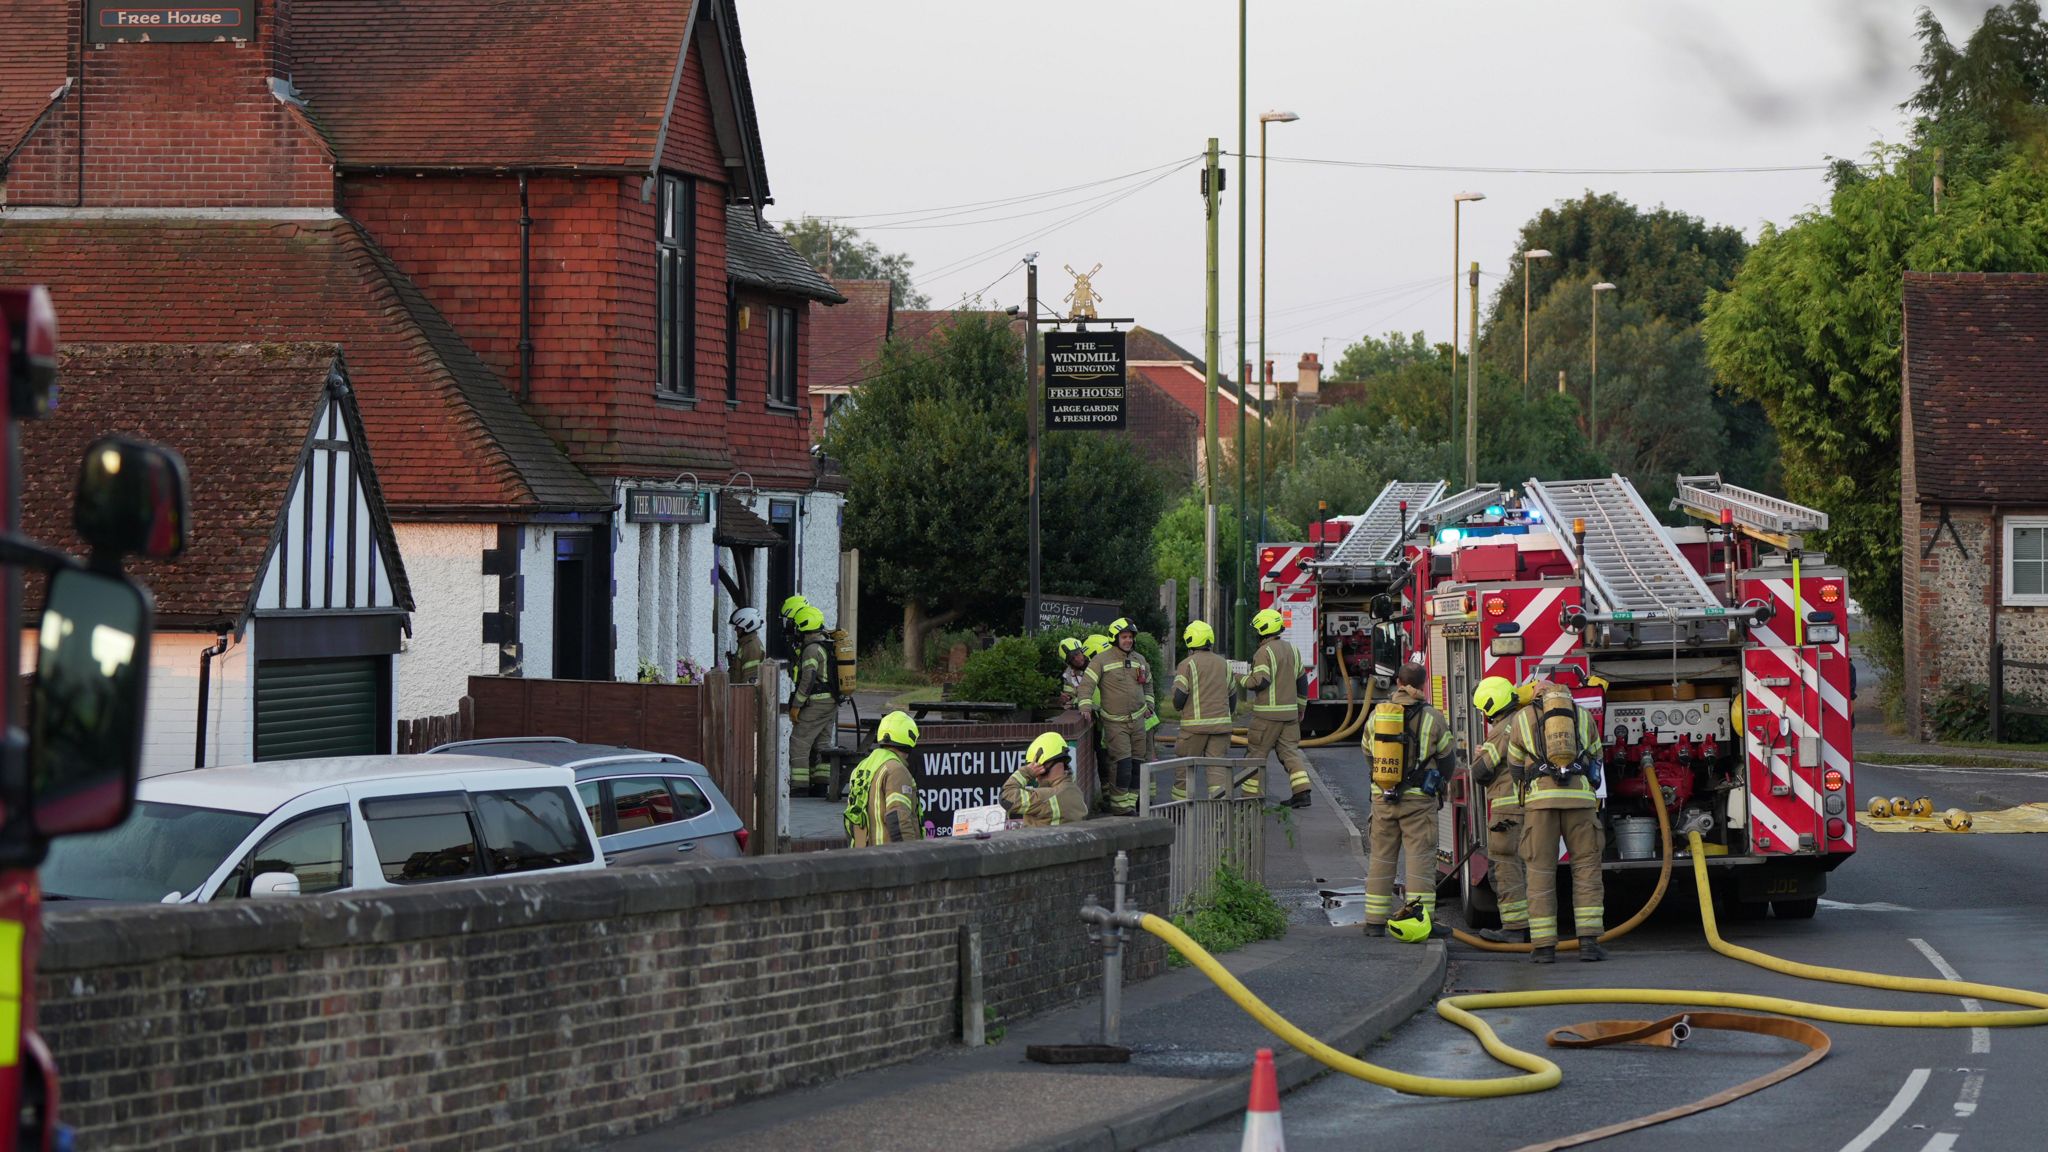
(647,807)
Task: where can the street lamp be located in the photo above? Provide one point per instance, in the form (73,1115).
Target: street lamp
(1593,396)
(1531,254)
(1265,382)
(1457,271)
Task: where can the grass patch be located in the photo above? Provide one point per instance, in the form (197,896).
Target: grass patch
(1947,760)
(1237,912)
(917,695)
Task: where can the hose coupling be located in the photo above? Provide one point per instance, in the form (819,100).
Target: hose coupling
(1681,1031)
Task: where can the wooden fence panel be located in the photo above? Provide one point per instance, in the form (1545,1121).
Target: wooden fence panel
(500,707)
(655,717)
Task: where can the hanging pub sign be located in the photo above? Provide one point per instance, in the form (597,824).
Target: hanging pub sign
(668,506)
(1084,380)
(114,22)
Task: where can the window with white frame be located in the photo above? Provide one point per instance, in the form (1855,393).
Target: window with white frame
(2026,560)
(782,356)
(676,289)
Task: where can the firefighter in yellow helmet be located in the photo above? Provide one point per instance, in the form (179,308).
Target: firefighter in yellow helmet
(1206,697)
(1553,749)
(881,797)
(813,709)
(1120,701)
(1073,672)
(786,617)
(1403,819)
(1043,793)
(1277,687)
(1496,699)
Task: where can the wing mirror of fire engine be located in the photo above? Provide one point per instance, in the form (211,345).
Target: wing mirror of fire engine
(1384,607)
(86,702)
(131,501)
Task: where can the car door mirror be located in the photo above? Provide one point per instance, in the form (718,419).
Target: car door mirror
(86,702)
(131,500)
(274,884)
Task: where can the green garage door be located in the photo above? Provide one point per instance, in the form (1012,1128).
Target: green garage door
(310,708)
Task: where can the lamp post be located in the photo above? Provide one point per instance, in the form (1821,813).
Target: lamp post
(1265,379)
(1593,395)
(1531,254)
(1458,203)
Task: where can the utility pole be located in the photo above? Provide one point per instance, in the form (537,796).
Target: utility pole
(1472,384)
(1031,417)
(1238,618)
(1212,187)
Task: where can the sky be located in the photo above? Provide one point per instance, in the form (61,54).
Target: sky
(894,113)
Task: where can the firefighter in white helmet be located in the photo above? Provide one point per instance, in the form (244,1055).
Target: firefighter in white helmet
(1405,798)
(746,662)
(1554,751)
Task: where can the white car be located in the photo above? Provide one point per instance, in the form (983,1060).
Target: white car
(346,824)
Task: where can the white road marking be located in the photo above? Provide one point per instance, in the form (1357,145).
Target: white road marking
(1973,1087)
(1874,906)
(1882,1126)
(1980,1038)
(1939,1142)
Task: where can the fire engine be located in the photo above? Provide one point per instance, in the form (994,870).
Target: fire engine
(1717,654)
(74,768)
(1325,589)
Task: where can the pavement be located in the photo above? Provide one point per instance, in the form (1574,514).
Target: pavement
(1192,1048)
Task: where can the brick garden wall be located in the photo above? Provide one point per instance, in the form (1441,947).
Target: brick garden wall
(560,1012)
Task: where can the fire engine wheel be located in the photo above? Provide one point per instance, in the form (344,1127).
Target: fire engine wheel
(1795,909)
(1482,907)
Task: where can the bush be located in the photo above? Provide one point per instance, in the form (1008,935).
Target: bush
(1963,713)
(1009,672)
(882,665)
(1236,913)
(1884,646)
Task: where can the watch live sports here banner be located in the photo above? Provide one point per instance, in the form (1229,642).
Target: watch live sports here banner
(955,776)
(113,22)
(1084,380)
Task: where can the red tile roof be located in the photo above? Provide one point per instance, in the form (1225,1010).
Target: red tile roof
(847,338)
(34,56)
(1186,385)
(1977,386)
(490,84)
(238,413)
(447,434)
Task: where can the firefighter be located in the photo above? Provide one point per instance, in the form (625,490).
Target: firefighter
(1043,793)
(1553,749)
(1121,689)
(1277,687)
(1503,814)
(1073,672)
(813,709)
(1403,820)
(881,797)
(746,663)
(1206,698)
(786,616)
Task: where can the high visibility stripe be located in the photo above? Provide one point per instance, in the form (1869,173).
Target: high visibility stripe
(1053,802)
(12,934)
(898,800)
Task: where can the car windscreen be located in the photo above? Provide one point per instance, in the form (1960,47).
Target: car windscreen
(161,849)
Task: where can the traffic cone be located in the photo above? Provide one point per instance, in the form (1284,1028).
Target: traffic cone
(1262,1115)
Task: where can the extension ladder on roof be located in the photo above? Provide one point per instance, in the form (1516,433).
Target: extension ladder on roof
(1452,509)
(1630,564)
(1707,496)
(1377,536)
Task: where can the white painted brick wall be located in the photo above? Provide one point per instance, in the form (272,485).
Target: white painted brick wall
(450,593)
(537,608)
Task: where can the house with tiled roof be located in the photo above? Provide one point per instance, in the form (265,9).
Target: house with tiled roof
(291,547)
(581,356)
(846,340)
(1973,490)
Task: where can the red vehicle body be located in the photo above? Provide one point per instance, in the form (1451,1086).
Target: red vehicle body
(73,749)
(1720,656)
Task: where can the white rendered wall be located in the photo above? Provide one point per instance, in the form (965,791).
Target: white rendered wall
(445,564)
(171,713)
(537,605)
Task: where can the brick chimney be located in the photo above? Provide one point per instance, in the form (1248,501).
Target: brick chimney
(1308,378)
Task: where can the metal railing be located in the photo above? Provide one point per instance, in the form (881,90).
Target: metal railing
(1213,826)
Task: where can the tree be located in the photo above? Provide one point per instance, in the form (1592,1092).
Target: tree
(1666,261)
(840,253)
(1180,541)
(1372,357)
(1978,102)
(1098,501)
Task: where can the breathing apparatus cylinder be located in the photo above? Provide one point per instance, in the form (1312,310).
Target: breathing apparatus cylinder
(1389,740)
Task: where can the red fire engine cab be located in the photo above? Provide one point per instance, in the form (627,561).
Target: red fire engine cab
(1719,655)
(73,769)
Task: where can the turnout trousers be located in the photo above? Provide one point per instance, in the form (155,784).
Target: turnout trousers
(808,769)
(1504,865)
(1201,744)
(1403,831)
(1269,734)
(1580,830)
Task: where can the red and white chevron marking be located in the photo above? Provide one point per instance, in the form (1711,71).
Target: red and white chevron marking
(1290,589)
(1535,612)
(1795,697)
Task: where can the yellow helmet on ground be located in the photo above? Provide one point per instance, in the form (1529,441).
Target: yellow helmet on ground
(898,729)
(808,619)
(793,605)
(1493,696)
(1198,634)
(1411,923)
(1268,622)
(1097,645)
(1048,748)
(1121,625)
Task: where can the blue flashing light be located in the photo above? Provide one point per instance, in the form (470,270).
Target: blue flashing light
(1536,515)
(1496,511)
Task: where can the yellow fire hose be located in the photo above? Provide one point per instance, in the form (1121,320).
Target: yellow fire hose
(1539,1074)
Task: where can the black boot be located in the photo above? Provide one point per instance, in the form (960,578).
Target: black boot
(1544,955)
(1299,799)
(1590,951)
(1506,935)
